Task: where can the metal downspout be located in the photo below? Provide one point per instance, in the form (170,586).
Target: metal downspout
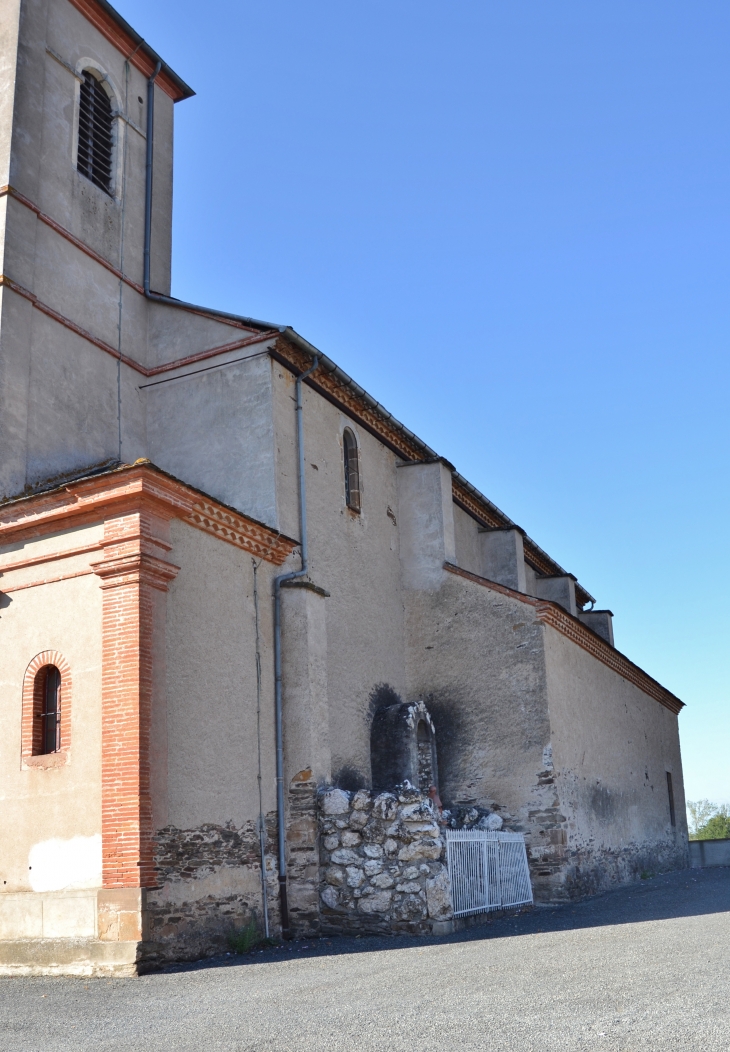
(148,177)
(278,581)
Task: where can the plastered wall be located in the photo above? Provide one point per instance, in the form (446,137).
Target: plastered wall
(612,746)
(475,657)
(211,684)
(65,403)
(51,818)
(354,556)
(213,426)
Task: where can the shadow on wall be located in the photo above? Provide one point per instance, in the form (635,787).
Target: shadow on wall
(423,747)
(402,743)
(687,893)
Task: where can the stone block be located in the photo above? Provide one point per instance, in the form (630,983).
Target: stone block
(330,897)
(438,897)
(386,806)
(361,801)
(382,880)
(420,849)
(335,802)
(355,876)
(345,856)
(373,851)
(21,916)
(379,902)
(74,917)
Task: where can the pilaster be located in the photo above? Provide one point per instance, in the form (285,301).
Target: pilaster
(134,579)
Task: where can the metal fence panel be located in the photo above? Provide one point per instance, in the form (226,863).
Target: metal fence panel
(488,871)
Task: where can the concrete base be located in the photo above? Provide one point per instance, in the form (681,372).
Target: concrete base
(445,927)
(68,957)
(704,853)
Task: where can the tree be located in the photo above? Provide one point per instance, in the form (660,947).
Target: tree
(708,821)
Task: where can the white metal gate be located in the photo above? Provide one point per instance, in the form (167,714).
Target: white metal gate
(488,871)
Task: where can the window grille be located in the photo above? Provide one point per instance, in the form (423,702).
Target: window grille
(95,133)
(352,470)
(48,735)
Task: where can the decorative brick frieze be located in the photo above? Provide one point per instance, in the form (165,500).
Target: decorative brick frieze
(244,533)
(31,736)
(107,496)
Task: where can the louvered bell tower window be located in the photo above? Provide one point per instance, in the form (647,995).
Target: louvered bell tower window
(95,133)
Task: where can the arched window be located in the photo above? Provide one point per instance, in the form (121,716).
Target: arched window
(424,745)
(94,158)
(47,711)
(352,470)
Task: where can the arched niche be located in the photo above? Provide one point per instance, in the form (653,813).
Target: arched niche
(403,747)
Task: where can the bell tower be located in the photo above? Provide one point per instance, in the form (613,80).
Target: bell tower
(75,80)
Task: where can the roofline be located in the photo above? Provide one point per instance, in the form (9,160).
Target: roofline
(535,555)
(134,47)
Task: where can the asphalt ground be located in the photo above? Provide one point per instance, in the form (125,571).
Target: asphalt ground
(644,967)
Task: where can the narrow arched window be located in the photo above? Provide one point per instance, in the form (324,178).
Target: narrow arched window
(47,711)
(426,777)
(94,158)
(352,470)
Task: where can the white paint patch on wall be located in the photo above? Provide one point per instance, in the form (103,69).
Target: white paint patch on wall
(56,865)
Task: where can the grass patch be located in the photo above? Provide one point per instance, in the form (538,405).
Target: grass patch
(247,938)
(646,875)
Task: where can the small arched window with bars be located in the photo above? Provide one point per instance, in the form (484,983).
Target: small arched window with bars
(47,714)
(352,470)
(96,140)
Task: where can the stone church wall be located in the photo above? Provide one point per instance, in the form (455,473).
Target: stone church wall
(383,863)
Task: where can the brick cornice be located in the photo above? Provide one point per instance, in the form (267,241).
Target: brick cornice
(135,568)
(554,615)
(327,384)
(131,487)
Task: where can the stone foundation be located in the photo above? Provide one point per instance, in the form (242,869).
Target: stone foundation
(382,864)
(209,885)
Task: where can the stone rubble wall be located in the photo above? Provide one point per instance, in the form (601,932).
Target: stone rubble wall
(382,863)
(209,884)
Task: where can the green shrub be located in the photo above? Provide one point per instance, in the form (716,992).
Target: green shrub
(241,940)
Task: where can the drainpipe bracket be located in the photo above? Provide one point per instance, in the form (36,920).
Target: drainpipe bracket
(305,582)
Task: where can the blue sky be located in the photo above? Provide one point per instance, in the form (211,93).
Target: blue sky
(510,223)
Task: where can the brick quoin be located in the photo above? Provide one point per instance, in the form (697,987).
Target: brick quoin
(134,577)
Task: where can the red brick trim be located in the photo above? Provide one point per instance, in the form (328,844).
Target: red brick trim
(47,557)
(134,577)
(559,619)
(96,499)
(32,705)
(47,580)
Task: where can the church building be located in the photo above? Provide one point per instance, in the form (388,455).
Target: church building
(230,580)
